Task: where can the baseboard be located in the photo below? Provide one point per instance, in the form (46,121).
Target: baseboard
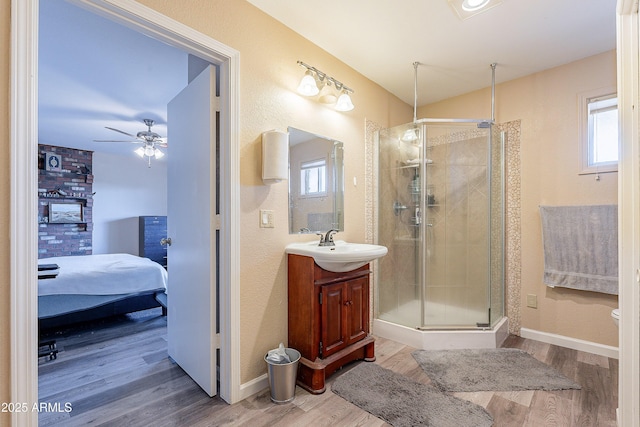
(260,383)
(254,386)
(568,342)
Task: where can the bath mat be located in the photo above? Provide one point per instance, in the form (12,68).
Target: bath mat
(500,369)
(402,402)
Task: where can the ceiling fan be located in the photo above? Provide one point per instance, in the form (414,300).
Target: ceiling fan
(150,141)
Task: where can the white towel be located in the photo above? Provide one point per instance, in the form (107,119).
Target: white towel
(581,247)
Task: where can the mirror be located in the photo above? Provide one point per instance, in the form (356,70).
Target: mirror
(316,183)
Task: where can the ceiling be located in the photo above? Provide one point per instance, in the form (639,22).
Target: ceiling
(382,40)
(95,73)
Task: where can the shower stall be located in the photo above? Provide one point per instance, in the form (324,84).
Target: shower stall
(441,215)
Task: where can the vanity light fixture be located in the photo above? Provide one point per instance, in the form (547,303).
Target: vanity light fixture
(328,90)
(327,94)
(308,85)
(468,8)
(344,102)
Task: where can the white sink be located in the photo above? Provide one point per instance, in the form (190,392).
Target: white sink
(339,258)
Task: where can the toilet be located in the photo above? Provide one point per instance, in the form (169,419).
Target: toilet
(615,314)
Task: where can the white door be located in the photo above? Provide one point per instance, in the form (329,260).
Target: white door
(191,256)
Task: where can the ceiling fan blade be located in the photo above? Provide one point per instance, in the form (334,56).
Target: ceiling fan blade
(118,130)
(161,144)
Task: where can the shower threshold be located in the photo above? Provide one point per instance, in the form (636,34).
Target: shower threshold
(478,326)
(443,338)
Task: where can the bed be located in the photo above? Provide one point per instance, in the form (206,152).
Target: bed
(90,287)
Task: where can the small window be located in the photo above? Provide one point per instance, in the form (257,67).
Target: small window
(313,178)
(600,133)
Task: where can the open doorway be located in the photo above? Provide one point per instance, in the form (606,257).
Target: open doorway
(99,273)
(24,332)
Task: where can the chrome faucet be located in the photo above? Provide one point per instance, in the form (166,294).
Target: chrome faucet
(327,239)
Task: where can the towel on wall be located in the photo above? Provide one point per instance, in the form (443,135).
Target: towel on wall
(581,247)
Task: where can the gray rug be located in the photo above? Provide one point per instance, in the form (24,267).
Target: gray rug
(500,369)
(403,402)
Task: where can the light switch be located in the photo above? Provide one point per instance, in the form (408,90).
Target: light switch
(266,218)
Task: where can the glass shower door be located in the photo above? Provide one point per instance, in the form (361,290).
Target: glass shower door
(399,288)
(456,232)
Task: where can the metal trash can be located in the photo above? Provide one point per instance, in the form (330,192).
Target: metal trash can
(282,377)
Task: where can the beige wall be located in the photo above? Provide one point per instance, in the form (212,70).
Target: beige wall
(547,105)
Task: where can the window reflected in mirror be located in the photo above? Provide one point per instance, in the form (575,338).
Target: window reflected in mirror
(316,183)
(313,178)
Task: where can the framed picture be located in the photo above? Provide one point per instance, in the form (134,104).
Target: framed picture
(68,213)
(52,162)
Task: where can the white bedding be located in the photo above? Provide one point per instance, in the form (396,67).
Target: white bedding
(105,274)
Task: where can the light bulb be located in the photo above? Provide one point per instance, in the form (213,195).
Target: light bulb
(410,135)
(308,85)
(140,152)
(344,102)
(148,151)
(471,5)
(327,94)
(159,154)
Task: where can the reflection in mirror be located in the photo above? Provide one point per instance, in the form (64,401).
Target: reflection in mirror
(316,183)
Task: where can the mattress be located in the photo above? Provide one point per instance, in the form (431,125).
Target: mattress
(104,274)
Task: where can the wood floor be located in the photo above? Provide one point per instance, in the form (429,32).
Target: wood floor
(118,374)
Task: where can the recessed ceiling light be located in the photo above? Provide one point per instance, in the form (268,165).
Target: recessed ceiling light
(473,5)
(468,8)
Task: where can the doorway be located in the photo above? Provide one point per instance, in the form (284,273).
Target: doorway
(24,128)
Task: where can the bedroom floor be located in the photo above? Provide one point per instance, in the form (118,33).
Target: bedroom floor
(117,373)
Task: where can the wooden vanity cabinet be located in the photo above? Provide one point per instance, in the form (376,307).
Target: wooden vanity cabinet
(328,319)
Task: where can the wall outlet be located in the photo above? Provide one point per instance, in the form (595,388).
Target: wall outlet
(532,301)
(266,218)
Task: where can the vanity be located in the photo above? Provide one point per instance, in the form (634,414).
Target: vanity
(328,285)
(329,310)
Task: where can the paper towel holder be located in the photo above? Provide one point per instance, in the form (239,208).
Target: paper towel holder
(275,156)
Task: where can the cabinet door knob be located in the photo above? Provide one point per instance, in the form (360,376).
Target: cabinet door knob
(165,241)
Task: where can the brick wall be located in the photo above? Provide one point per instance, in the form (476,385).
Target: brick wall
(72,184)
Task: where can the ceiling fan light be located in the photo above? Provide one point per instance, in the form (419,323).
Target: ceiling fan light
(344,102)
(148,151)
(159,154)
(140,152)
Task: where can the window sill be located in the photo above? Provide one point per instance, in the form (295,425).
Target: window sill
(594,171)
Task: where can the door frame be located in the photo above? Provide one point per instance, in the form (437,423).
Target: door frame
(23,210)
(628,80)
